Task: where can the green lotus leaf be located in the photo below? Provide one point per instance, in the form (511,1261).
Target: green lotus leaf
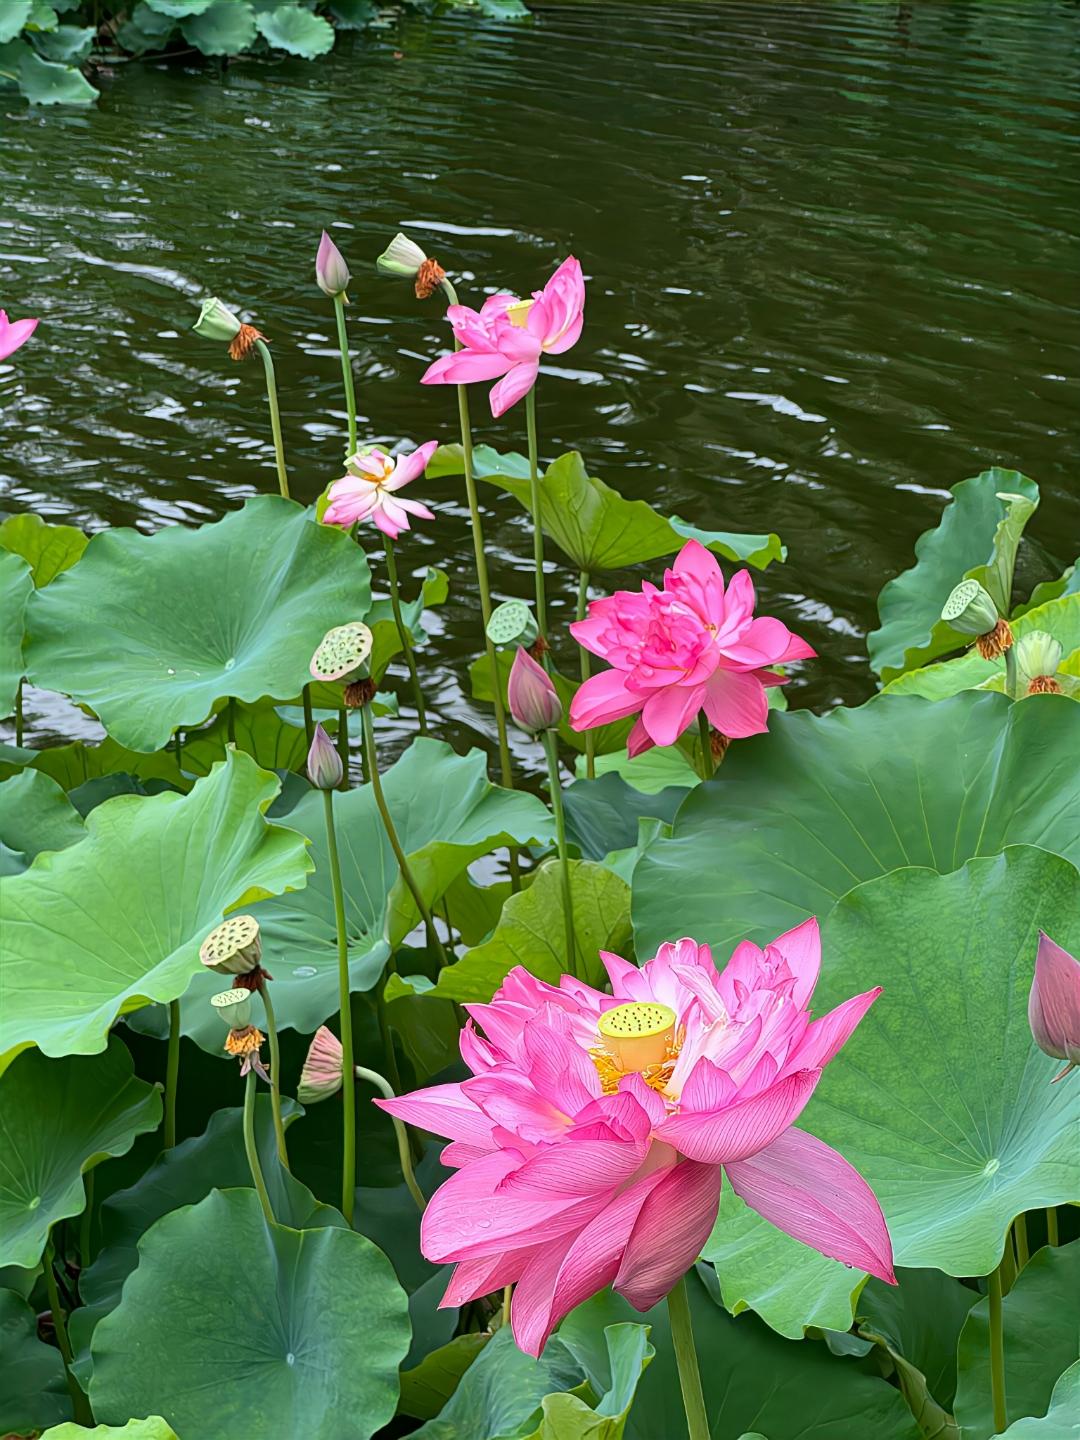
(1061,618)
(792,1390)
(785,1282)
(1041,1318)
(387,639)
(976,538)
(319,1335)
(530,932)
(47,549)
(16,587)
(152,1428)
(353,14)
(41,81)
(941,1098)
(598,1409)
(13,17)
(116,921)
(69,45)
(61,1118)
(36,815)
(426,1388)
(1067,583)
(73,765)
(447,814)
(145,29)
(1062,1420)
(260,732)
(657,769)
(179,9)
(289,27)
(186,618)
(33,1391)
(603,815)
(918,1322)
(796,818)
(594,525)
(227,28)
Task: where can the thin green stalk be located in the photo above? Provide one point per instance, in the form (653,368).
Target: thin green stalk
(997,1355)
(1021,1235)
(178,749)
(387,1090)
(275,1073)
(230,720)
(1008,1265)
(555,786)
(706,764)
(375,781)
(19,713)
(86,1221)
(1012,678)
(251,1149)
(172,1074)
(586,671)
(79,1403)
(346,370)
(508,1291)
(309,719)
(275,416)
(403,633)
(682,1338)
(343,746)
(534,505)
(348,1164)
(1051,1225)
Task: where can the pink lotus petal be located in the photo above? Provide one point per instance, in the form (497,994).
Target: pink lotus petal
(602,699)
(670,1231)
(740,1130)
(516,383)
(824,1038)
(444,1110)
(412,466)
(735,703)
(669,712)
(14,333)
(465,367)
(473,1278)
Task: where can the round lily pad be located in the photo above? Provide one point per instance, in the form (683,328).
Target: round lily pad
(342,651)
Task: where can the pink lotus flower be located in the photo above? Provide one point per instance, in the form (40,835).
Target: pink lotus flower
(14,333)
(507,337)
(589,1141)
(1054,1004)
(675,651)
(368,491)
(531,696)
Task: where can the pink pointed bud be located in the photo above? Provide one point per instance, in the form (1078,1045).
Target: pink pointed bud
(1054,1003)
(323,1069)
(323,762)
(533,702)
(330,269)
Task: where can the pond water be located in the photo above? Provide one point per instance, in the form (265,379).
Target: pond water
(829,249)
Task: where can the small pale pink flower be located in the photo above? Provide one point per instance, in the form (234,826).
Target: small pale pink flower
(674,651)
(1054,1004)
(507,337)
(14,333)
(369,490)
(331,272)
(323,1070)
(591,1140)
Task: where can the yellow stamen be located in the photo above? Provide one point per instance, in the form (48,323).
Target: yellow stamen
(518,313)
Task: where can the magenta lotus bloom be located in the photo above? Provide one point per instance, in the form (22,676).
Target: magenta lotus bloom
(331,272)
(369,490)
(508,336)
(1054,1004)
(533,702)
(590,1142)
(14,333)
(692,645)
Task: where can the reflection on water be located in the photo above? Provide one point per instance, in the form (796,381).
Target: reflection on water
(829,250)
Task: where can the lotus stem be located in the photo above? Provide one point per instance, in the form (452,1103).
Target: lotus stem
(1008,1265)
(19,713)
(348,1149)
(534,505)
(555,786)
(1020,1232)
(309,719)
(275,1073)
(586,671)
(1051,1225)
(230,720)
(1012,678)
(86,1220)
(682,1338)
(275,416)
(79,1403)
(375,781)
(343,746)
(403,634)
(178,749)
(251,1149)
(346,370)
(997,1353)
(706,764)
(508,1291)
(172,1074)
(387,1090)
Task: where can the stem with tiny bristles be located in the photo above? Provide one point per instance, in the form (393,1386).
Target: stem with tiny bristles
(346,370)
(706,764)
(682,1339)
(251,1149)
(1020,1232)
(79,1403)
(586,671)
(403,634)
(1051,1225)
(343,746)
(275,416)
(374,1078)
(534,505)
(555,786)
(309,719)
(275,1072)
(172,1074)
(348,1162)
(86,1221)
(997,1354)
(19,712)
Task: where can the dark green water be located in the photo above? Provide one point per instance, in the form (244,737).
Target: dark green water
(832,253)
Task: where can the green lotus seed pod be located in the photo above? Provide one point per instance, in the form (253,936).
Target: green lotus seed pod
(233,947)
(216,322)
(343,652)
(970,609)
(234,1007)
(401,259)
(511,625)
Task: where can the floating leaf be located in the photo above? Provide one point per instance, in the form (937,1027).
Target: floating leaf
(16,587)
(14,16)
(67,44)
(353,14)
(33,1391)
(179,9)
(226,28)
(145,29)
(36,815)
(976,538)
(291,28)
(185,618)
(61,1118)
(321,1331)
(42,82)
(796,818)
(1062,1420)
(116,921)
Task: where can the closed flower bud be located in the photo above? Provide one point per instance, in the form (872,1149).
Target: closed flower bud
(234,1007)
(401,259)
(1054,1003)
(217,322)
(323,762)
(970,609)
(323,1069)
(1038,656)
(533,702)
(331,272)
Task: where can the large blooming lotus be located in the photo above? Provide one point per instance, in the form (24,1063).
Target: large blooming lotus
(14,333)
(506,337)
(369,490)
(692,645)
(590,1142)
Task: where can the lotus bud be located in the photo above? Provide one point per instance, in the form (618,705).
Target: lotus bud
(323,762)
(217,322)
(512,623)
(234,1007)
(970,609)
(1038,656)
(234,947)
(401,259)
(331,272)
(1054,1003)
(533,702)
(324,1068)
